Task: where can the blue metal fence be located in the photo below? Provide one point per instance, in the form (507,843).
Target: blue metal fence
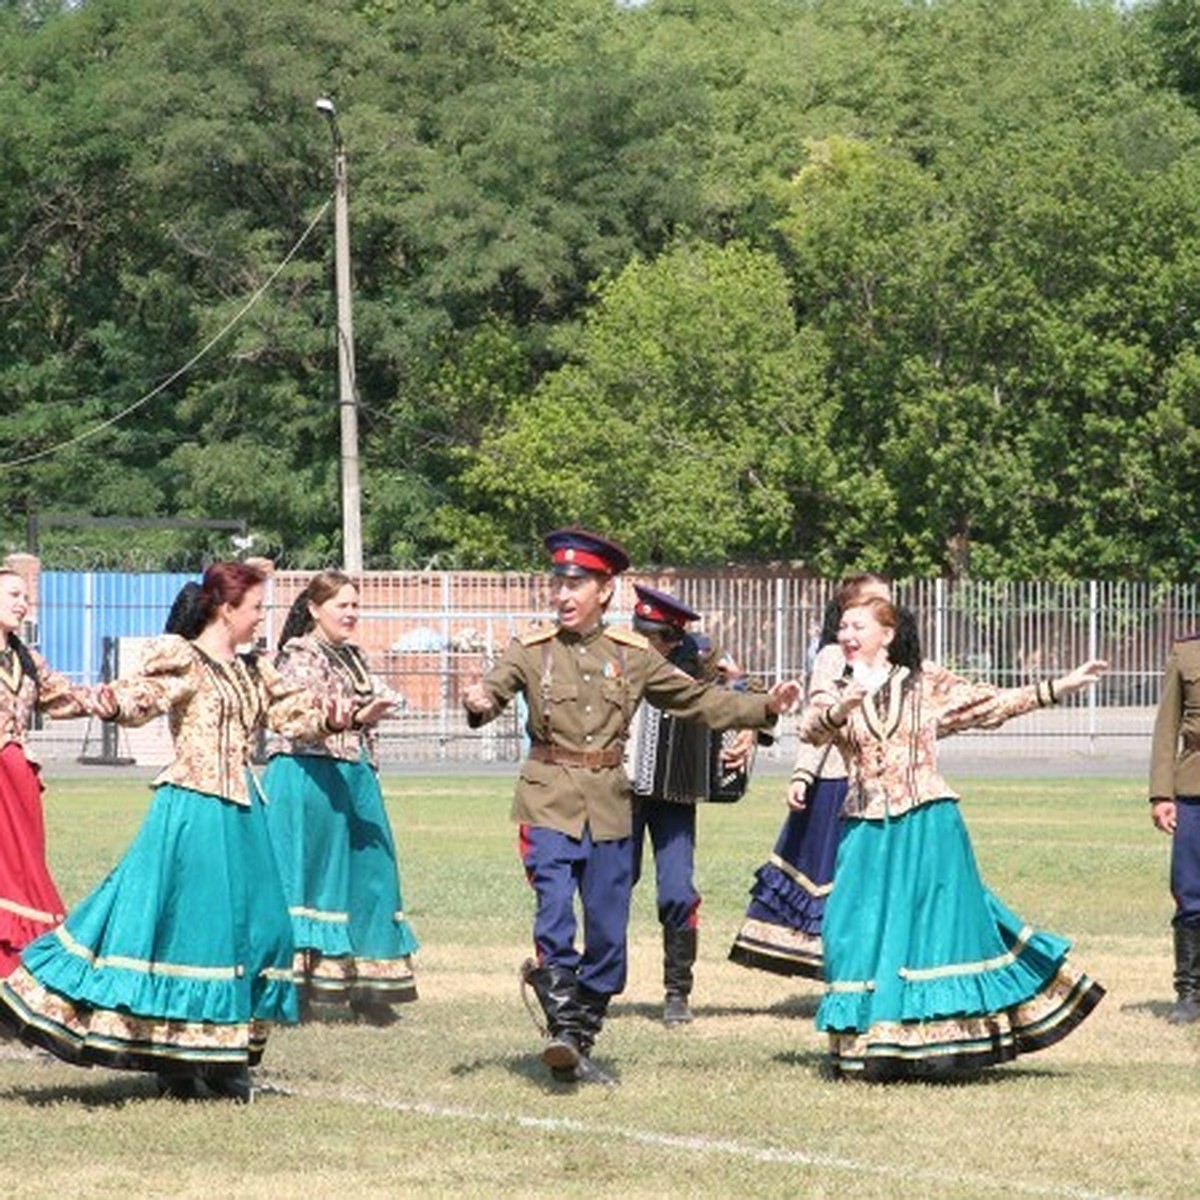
(94,608)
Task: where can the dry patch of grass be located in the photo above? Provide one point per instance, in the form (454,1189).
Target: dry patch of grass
(453,1100)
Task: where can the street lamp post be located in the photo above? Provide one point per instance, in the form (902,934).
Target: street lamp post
(347,391)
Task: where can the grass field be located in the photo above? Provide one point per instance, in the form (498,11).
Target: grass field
(454,1101)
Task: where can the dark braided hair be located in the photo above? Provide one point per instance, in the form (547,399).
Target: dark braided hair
(318,589)
(196,603)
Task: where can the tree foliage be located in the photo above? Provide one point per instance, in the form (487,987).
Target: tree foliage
(849,283)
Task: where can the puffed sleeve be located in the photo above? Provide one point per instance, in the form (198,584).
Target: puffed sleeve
(300,665)
(822,682)
(166,677)
(293,709)
(57,696)
(962,704)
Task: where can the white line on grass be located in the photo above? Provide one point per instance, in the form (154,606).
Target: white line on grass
(705,1145)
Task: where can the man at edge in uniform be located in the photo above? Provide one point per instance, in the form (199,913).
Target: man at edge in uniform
(1175,809)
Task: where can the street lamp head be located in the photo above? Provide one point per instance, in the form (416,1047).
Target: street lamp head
(326,107)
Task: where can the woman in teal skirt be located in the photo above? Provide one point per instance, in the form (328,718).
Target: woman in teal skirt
(329,828)
(927,973)
(179,962)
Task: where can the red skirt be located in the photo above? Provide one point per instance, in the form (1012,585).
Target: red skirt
(29,902)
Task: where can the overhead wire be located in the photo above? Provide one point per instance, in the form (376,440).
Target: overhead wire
(200,354)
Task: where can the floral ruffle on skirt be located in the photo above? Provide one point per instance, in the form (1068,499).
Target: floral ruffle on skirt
(782,929)
(337,860)
(926,971)
(182,955)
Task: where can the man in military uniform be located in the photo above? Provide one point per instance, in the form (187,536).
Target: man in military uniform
(1175,809)
(582,681)
(668,810)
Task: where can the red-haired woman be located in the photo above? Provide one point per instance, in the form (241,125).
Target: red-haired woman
(29,901)
(926,972)
(180,961)
(332,838)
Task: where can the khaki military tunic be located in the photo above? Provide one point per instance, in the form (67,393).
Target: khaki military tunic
(1175,748)
(582,690)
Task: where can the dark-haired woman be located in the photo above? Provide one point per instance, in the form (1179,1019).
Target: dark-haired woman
(332,839)
(927,973)
(29,902)
(180,961)
(781,932)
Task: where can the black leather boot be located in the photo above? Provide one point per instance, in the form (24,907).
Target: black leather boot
(1187,976)
(181,1083)
(592,1008)
(554,987)
(679,956)
(230,1083)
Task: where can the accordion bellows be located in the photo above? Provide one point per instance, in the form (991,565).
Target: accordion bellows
(680,760)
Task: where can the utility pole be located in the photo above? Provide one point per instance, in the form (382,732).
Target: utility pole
(347,391)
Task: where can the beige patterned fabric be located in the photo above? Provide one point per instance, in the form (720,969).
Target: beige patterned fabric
(20,697)
(331,672)
(890,743)
(821,762)
(76,1026)
(215,710)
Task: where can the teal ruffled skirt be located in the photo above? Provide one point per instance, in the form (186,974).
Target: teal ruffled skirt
(180,958)
(926,971)
(337,859)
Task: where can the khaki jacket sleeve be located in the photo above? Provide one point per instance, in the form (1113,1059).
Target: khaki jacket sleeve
(1164,743)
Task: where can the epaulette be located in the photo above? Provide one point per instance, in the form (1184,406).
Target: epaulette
(531,637)
(627,637)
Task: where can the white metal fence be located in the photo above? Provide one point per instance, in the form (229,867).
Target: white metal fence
(427,633)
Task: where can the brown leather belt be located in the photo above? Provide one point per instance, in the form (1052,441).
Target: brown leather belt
(560,756)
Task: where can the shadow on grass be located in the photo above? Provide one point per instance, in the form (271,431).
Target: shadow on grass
(108,1091)
(963,1077)
(531,1069)
(1151,1008)
(792,1008)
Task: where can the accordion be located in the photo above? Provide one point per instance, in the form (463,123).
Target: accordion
(679,760)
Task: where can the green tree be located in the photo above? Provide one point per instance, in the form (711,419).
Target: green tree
(691,420)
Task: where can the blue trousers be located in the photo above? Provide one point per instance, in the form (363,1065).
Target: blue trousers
(559,867)
(1185,861)
(672,829)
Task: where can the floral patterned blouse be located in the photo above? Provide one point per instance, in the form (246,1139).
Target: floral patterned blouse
(331,672)
(890,742)
(215,710)
(21,696)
